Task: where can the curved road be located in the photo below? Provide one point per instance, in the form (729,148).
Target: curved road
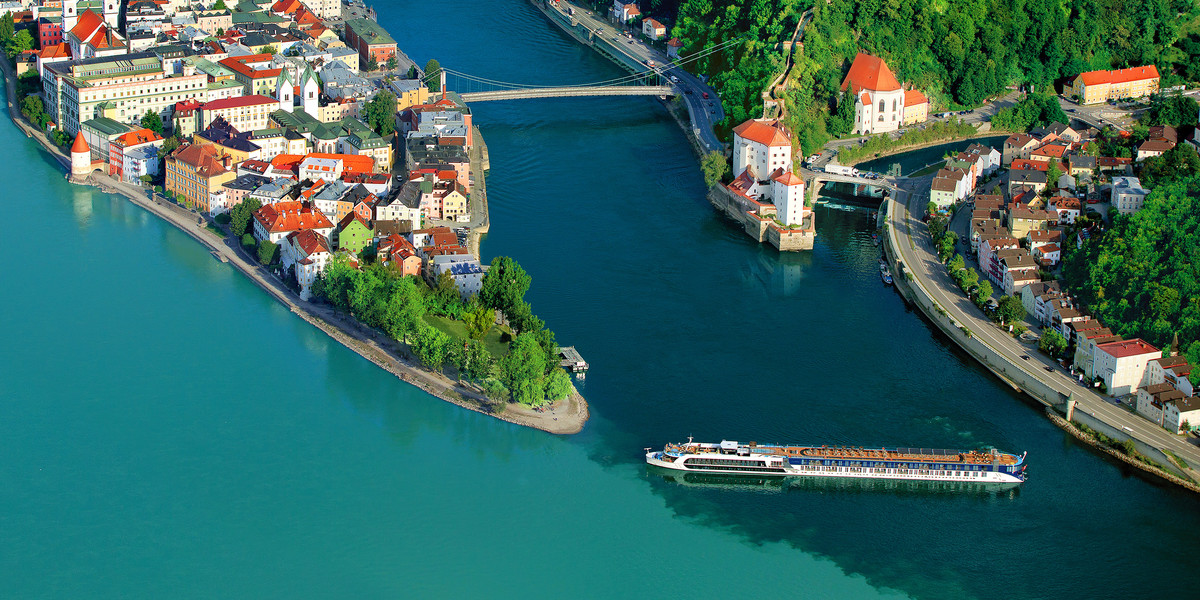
(931,275)
(705,113)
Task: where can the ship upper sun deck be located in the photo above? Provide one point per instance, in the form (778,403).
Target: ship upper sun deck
(843,452)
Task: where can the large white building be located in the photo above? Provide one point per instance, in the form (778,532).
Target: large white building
(879,99)
(1122,365)
(309,253)
(762,161)
(1128,196)
(761,145)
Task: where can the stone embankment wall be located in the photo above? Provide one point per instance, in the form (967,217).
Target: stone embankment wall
(1011,374)
(761,229)
(1019,380)
(1151,453)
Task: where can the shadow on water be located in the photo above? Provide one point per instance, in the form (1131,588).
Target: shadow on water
(827,485)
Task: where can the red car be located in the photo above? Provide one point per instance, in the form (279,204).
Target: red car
(705,95)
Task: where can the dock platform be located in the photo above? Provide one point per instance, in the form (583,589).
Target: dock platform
(571,360)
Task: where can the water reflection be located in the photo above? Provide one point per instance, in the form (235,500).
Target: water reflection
(81,206)
(777,273)
(838,485)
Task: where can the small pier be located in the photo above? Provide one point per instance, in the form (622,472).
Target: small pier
(571,360)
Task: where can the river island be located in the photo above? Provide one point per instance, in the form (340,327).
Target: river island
(307,151)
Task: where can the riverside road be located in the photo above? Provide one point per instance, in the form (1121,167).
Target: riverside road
(930,274)
(704,112)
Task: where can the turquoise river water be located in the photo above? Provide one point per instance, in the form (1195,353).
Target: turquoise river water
(167,430)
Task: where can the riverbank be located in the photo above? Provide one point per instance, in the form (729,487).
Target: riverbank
(566,416)
(1095,444)
(1004,367)
(912,147)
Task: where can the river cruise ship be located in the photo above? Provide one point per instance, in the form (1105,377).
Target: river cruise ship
(923,464)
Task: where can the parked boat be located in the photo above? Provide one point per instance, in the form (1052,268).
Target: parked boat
(922,464)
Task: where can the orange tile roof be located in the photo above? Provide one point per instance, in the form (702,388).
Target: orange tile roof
(60,50)
(290,216)
(350,162)
(1128,348)
(870,73)
(286,6)
(309,241)
(914,97)
(771,133)
(133,138)
(203,158)
(1119,76)
(241,64)
(787,177)
(80,144)
(86,24)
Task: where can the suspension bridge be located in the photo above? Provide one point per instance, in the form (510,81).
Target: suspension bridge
(477,89)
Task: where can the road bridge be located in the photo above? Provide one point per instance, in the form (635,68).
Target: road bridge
(569,92)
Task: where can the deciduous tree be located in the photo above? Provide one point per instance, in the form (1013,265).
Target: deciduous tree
(239,217)
(152,121)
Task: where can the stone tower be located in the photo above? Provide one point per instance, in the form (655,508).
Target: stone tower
(81,157)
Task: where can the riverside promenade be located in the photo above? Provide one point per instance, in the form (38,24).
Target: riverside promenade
(910,251)
(567,416)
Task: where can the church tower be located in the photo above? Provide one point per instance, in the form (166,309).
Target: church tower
(70,14)
(284,91)
(310,92)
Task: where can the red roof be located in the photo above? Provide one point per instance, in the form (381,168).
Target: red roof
(870,73)
(767,133)
(86,24)
(309,241)
(675,43)
(286,6)
(133,138)
(60,50)
(80,144)
(238,102)
(1126,348)
(290,216)
(1023,164)
(1120,76)
(914,97)
(241,64)
(787,178)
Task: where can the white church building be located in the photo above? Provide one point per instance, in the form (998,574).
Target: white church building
(762,162)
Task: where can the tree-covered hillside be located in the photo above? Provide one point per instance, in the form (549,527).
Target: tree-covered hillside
(959,52)
(1142,277)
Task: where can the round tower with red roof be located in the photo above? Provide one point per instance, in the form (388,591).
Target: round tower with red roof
(81,157)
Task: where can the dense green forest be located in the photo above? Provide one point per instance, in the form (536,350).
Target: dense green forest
(1141,278)
(959,52)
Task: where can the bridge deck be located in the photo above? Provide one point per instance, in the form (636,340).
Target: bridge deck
(567,92)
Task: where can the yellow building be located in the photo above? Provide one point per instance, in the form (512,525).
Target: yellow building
(409,92)
(1095,87)
(195,171)
(916,107)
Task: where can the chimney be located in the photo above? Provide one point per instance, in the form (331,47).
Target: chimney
(443,76)
(1175,345)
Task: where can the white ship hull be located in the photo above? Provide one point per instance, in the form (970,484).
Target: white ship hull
(766,465)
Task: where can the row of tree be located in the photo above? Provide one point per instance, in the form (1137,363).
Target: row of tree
(379,297)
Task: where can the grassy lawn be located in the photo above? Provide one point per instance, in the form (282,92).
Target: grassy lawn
(458,331)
